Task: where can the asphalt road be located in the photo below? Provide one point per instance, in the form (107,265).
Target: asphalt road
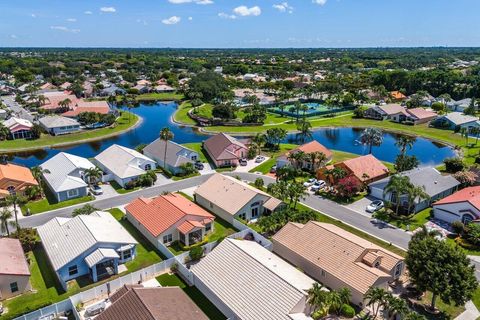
(17,110)
(380,230)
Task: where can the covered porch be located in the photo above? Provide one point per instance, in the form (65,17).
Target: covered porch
(191,232)
(102,263)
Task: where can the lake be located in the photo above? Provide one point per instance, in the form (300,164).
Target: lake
(158,115)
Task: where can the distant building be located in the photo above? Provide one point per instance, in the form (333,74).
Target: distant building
(453,120)
(307,148)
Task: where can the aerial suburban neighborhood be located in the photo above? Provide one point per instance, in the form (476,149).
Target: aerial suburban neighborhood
(201,159)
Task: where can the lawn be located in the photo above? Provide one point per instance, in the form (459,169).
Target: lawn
(181,115)
(147,254)
(197,146)
(166,96)
(178,178)
(416,221)
(120,189)
(450,311)
(172,280)
(47,204)
(126,121)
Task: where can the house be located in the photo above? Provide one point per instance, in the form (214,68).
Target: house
(397,96)
(419,115)
(54,100)
(176,155)
(246,281)
(394,112)
(455,120)
(365,169)
(459,105)
(463,205)
(47,86)
(164,88)
(112,90)
(58,125)
(86,245)
(15,179)
(436,185)
(141,88)
(64,175)
(139,303)
(230,198)
(19,128)
(337,258)
(307,148)
(169,218)
(122,164)
(101,107)
(375,112)
(225,150)
(65,85)
(14,270)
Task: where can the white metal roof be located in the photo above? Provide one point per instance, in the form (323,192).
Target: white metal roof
(122,161)
(99,255)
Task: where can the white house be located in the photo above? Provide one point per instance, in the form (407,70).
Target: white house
(57,125)
(122,164)
(463,205)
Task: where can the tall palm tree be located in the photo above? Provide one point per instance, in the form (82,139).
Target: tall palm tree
(405,142)
(414,193)
(375,297)
(93,175)
(15,200)
(37,172)
(305,130)
(398,185)
(296,191)
(336,301)
(395,306)
(5,216)
(318,298)
(166,134)
(464,132)
(317,158)
(298,107)
(372,137)
(65,103)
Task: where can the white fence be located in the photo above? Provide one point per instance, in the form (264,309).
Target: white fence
(164,250)
(245,230)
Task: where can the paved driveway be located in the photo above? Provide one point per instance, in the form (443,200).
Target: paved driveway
(361,205)
(207,169)
(162,180)
(250,165)
(108,192)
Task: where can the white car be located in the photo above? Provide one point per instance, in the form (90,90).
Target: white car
(259,159)
(318,185)
(309,182)
(96,190)
(374,206)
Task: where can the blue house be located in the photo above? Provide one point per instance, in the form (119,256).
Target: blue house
(87,245)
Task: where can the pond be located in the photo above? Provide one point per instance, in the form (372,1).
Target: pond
(158,115)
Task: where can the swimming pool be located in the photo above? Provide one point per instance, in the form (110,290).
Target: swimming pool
(314,109)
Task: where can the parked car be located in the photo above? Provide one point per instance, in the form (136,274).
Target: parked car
(309,182)
(375,205)
(273,169)
(259,159)
(96,190)
(243,162)
(198,165)
(318,185)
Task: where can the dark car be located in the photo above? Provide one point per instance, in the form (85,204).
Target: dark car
(199,165)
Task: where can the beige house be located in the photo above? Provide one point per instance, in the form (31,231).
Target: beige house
(337,258)
(230,198)
(14,271)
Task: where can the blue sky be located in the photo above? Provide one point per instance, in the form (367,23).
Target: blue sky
(239,23)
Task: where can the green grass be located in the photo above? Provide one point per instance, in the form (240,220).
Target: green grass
(164,96)
(414,222)
(120,189)
(47,205)
(172,280)
(476,298)
(197,146)
(126,121)
(449,311)
(147,254)
(178,178)
(181,115)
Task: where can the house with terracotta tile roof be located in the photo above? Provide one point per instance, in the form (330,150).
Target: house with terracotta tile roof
(230,198)
(337,258)
(101,107)
(168,218)
(225,150)
(366,169)
(14,270)
(14,179)
(463,205)
(419,115)
(397,96)
(307,148)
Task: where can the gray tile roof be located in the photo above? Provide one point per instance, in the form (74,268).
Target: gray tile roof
(176,154)
(64,171)
(433,181)
(253,282)
(57,121)
(64,239)
(459,118)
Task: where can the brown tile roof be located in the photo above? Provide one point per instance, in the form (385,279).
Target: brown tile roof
(366,167)
(313,146)
(421,113)
(338,252)
(159,214)
(12,258)
(168,303)
(217,146)
(17,173)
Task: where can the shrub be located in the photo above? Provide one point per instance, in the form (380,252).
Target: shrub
(259,183)
(453,165)
(472,233)
(196,253)
(85,210)
(359,112)
(458,227)
(347,311)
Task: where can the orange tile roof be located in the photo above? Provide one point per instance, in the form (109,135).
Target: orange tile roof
(17,173)
(470,194)
(161,213)
(366,167)
(397,95)
(313,146)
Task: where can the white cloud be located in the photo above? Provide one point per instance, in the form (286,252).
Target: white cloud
(283,7)
(171,20)
(203,2)
(319,2)
(224,15)
(33,15)
(72,20)
(108,9)
(64,29)
(190,18)
(88,12)
(244,11)
(13,36)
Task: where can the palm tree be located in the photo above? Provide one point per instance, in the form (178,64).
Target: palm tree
(372,137)
(465,134)
(37,173)
(335,301)
(398,185)
(65,103)
(375,297)
(166,134)
(405,142)
(298,107)
(15,200)
(414,193)
(412,315)
(317,158)
(318,298)
(4,132)
(5,216)
(93,174)
(296,191)
(296,158)
(305,132)
(395,306)
(475,131)
(337,173)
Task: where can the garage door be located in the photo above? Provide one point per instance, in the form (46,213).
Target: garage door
(376,193)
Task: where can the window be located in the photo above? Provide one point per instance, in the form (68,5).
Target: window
(398,269)
(13,287)
(255,204)
(254,212)
(242,216)
(127,254)
(148,167)
(72,270)
(194,158)
(211,205)
(167,238)
(11,189)
(72,193)
(208,227)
